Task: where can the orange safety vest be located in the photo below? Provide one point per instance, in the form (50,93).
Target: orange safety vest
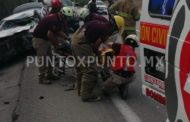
(126,59)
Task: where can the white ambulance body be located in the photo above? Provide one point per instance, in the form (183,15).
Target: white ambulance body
(178,64)
(164,48)
(154,27)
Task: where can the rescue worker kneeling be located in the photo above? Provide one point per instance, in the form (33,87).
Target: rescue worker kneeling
(85,43)
(44,36)
(123,69)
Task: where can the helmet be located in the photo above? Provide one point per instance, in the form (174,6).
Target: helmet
(67,11)
(119,21)
(131,40)
(56,4)
(83,13)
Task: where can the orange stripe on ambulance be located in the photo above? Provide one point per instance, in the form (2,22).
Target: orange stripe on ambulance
(154,35)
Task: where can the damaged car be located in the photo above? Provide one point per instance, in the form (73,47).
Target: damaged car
(44,8)
(37,6)
(16,34)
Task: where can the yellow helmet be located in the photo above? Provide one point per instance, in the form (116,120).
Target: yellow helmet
(120,23)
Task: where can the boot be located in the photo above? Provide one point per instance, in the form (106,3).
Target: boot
(92,98)
(51,76)
(123,91)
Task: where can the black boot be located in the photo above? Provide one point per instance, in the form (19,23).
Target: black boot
(51,76)
(123,91)
(92,98)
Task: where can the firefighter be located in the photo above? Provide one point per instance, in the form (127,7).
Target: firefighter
(129,11)
(122,66)
(43,37)
(85,43)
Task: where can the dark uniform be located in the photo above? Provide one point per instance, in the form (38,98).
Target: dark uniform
(122,68)
(83,42)
(42,45)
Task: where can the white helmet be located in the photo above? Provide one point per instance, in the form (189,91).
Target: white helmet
(132,40)
(132,36)
(83,13)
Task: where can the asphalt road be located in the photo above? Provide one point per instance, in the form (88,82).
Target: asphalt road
(57,105)
(10,90)
(32,102)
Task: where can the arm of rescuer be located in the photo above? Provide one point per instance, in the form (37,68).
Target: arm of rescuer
(78,36)
(63,35)
(52,38)
(64,31)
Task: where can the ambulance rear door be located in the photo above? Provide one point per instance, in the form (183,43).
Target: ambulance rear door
(154,25)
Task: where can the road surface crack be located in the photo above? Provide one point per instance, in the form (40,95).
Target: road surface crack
(15,116)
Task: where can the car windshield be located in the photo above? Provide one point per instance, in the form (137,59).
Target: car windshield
(1,24)
(67,2)
(19,22)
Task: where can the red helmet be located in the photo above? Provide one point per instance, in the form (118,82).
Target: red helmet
(56,4)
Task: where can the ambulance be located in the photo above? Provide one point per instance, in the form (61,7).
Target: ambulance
(164,35)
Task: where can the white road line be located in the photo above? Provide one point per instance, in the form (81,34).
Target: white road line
(125,110)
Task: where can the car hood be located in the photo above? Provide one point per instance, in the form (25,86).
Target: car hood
(21,15)
(12,31)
